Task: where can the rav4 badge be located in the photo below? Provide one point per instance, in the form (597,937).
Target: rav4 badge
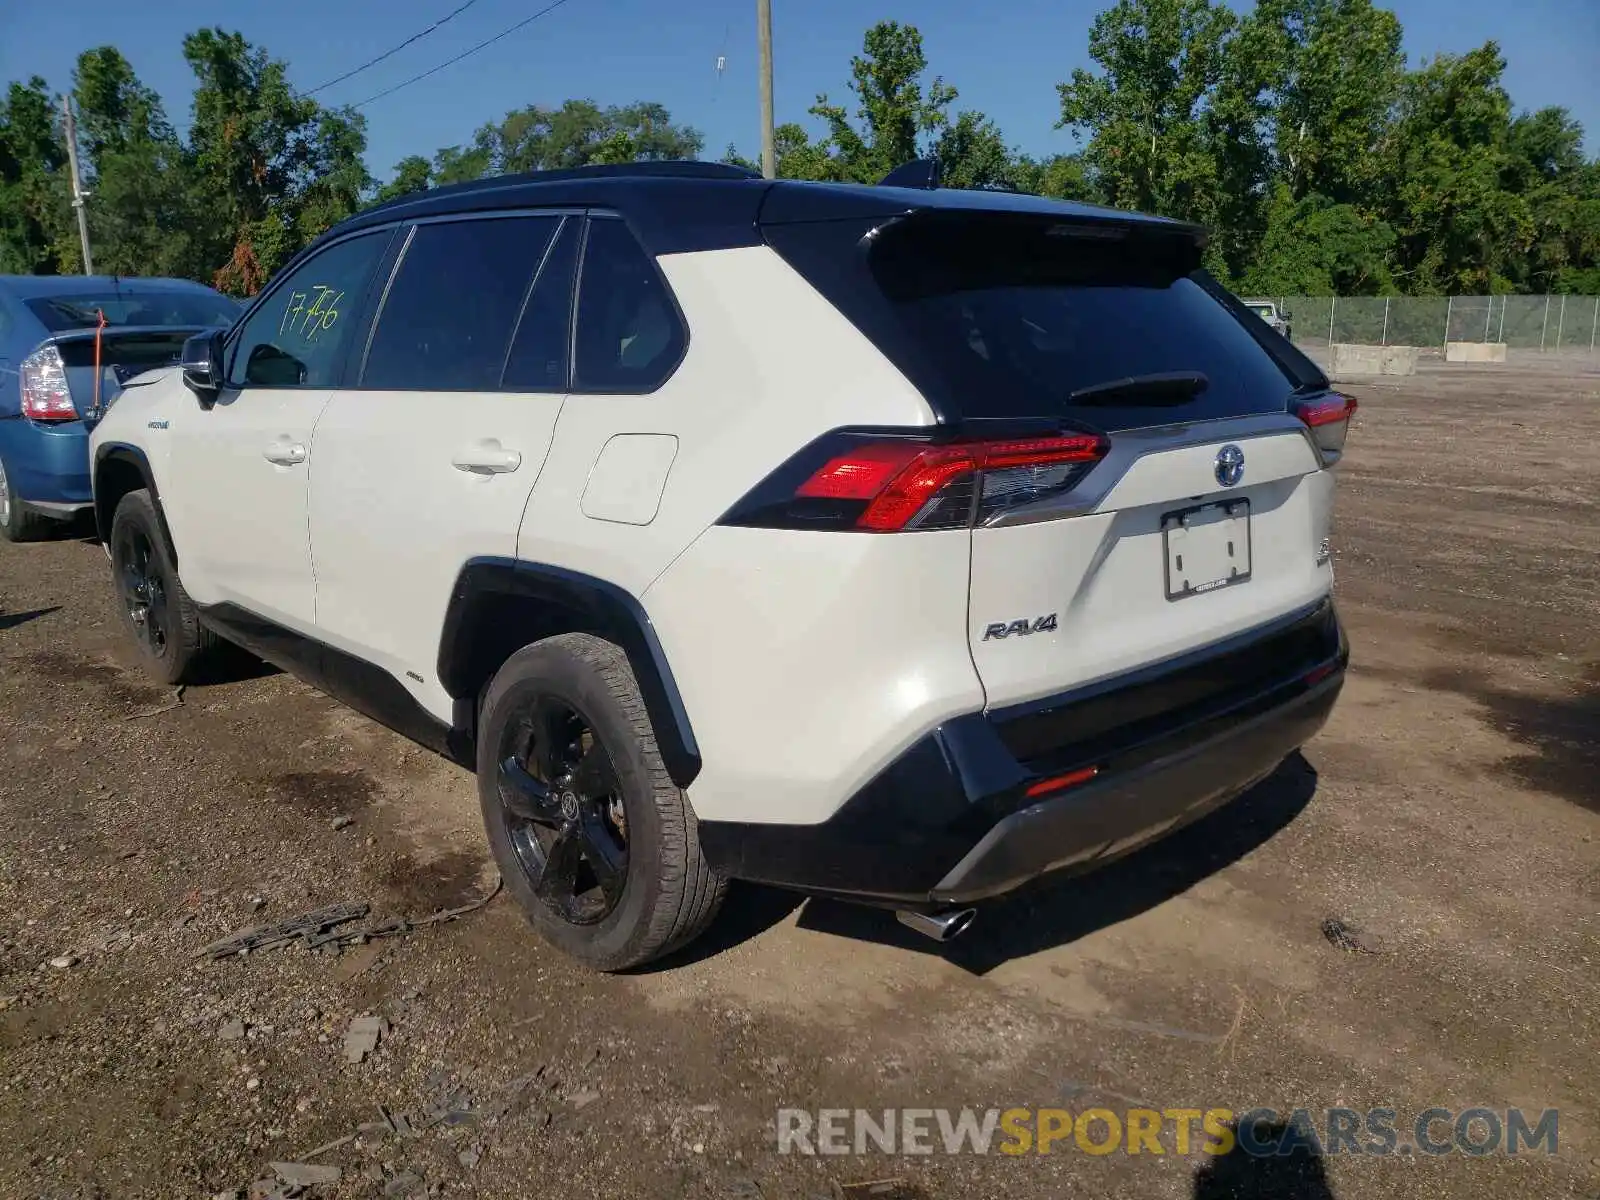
(1002,629)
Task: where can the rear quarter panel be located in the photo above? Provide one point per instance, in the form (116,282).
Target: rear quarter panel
(770,366)
(805,660)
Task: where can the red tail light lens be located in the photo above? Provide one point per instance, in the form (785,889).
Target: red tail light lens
(1328,417)
(45,396)
(914,485)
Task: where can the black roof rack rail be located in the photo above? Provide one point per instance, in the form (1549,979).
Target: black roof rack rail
(668,169)
(920,173)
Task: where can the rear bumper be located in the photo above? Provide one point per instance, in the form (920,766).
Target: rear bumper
(951,820)
(48,464)
(1098,822)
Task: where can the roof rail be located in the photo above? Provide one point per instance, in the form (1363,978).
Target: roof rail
(670,169)
(918,173)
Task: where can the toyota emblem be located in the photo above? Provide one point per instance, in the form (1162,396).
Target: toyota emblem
(1230,465)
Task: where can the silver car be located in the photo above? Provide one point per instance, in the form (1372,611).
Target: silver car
(1267,310)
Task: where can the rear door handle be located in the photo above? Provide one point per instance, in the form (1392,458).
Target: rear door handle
(285,453)
(487,457)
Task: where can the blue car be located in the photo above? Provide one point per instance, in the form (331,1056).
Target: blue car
(52,341)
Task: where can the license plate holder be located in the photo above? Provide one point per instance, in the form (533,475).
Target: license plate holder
(1206,547)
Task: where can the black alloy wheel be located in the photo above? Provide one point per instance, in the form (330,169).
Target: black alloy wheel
(140,577)
(563,808)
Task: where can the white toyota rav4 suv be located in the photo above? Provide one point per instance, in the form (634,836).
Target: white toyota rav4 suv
(896,545)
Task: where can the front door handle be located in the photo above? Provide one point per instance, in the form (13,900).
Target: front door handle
(285,453)
(487,457)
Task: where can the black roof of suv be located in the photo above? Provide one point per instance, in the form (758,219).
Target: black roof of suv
(683,206)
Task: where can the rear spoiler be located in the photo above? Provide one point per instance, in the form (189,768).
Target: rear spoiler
(117,332)
(785,206)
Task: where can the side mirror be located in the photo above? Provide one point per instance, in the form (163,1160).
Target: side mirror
(202,365)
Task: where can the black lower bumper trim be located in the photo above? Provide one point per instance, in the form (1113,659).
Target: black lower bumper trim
(950,821)
(1095,823)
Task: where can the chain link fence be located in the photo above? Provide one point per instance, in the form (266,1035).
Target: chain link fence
(1551,323)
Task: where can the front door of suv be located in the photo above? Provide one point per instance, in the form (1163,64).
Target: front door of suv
(426,459)
(236,491)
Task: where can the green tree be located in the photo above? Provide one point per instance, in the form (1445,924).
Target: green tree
(143,215)
(411,174)
(1060,177)
(1144,113)
(731,157)
(273,166)
(897,116)
(1459,229)
(577,134)
(1562,192)
(1314,247)
(1331,72)
(972,153)
(34,204)
(801,158)
(458,164)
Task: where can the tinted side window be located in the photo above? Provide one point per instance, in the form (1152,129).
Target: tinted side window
(539,349)
(298,335)
(447,320)
(629,334)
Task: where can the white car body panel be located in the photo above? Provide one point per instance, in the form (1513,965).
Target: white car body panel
(393,519)
(750,390)
(778,618)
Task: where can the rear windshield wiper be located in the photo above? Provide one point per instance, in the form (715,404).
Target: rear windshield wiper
(1164,387)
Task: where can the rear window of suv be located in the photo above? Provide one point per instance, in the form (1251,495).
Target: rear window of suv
(994,316)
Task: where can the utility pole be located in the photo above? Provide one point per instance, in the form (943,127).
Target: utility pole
(78,193)
(769,149)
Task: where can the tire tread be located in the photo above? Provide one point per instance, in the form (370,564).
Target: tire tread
(194,646)
(690,892)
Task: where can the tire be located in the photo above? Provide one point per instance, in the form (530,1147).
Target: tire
(17,522)
(155,609)
(568,709)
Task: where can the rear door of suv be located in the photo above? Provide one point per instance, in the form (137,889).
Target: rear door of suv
(427,457)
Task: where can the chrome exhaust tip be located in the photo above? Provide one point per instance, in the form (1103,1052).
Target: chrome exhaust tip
(941,926)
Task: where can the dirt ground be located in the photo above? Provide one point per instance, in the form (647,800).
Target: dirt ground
(1451,810)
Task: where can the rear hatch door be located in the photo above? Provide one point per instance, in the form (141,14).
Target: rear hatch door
(1208,513)
(1205,517)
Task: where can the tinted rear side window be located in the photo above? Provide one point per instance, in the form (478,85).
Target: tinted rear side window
(1006,317)
(630,337)
(447,320)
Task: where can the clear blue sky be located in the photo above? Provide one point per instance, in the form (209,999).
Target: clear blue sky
(1005,57)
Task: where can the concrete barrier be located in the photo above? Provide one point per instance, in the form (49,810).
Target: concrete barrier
(1349,360)
(1480,352)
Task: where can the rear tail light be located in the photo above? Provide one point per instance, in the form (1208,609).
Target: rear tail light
(886,485)
(44,387)
(1328,417)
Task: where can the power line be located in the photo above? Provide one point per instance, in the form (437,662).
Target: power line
(504,33)
(372,62)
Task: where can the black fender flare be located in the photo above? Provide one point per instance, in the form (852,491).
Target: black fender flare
(104,511)
(555,600)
